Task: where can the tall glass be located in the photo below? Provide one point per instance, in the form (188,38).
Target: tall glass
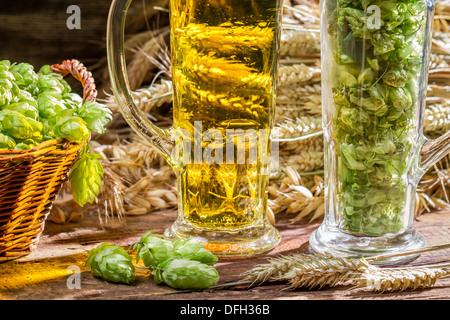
(374,75)
(224,66)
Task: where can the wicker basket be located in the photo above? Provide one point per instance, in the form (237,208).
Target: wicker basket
(31,179)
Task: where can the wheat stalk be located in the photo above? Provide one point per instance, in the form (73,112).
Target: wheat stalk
(225,39)
(437,117)
(305,270)
(294,194)
(326,270)
(319,270)
(147,99)
(438,61)
(299,133)
(137,180)
(307,160)
(144,59)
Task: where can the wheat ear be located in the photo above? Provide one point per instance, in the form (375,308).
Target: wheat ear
(303,270)
(400,279)
(309,271)
(327,271)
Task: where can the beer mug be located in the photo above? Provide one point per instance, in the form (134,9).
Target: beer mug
(224,66)
(375,74)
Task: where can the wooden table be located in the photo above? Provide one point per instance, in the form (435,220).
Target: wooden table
(44,274)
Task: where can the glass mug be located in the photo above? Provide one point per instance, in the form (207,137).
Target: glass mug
(224,65)
(374,79)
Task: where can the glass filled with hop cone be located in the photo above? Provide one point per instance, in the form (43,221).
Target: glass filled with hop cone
(375,59)
(224,66)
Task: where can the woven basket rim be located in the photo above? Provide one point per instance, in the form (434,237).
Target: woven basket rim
(55,146)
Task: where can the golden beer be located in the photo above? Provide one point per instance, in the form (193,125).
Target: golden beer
(224,68)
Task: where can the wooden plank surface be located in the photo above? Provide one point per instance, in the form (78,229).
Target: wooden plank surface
(44,274)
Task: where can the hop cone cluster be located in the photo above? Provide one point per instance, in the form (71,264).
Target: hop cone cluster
(39,106)
(181,264)
(111,263)
(154,250)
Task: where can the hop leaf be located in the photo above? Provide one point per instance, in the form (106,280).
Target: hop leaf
(86,177)
(111,263)
(186,274)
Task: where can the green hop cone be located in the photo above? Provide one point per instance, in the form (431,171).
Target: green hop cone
(18,126)
(72,101)
(26,72)
(71,128)
(49,106)
(95,115)
(194,250)
(86,177)
(6,142)
(6,92)
(25,108)
(111,263)
(186,274)
(52,83)
(24,146)
(47,130)
(153,250)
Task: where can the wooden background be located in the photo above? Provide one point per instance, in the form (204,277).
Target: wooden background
(36,31)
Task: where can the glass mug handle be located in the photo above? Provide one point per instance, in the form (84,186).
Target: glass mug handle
(433,151)
(159,138)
